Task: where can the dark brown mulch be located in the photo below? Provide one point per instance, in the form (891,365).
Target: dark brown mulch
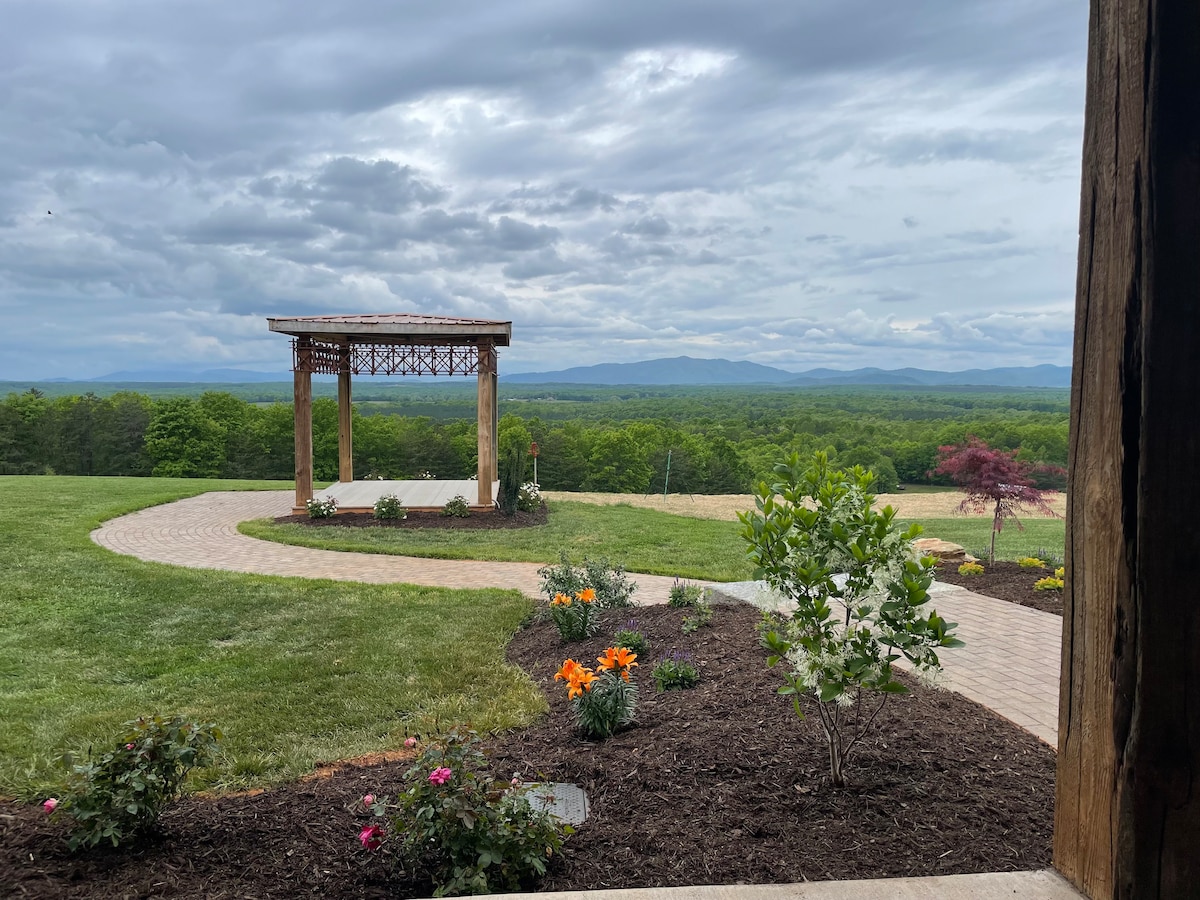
(1006,581)
(478,520)
(720,784)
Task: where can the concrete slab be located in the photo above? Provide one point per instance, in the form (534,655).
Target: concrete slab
(1045,884)
(416,493)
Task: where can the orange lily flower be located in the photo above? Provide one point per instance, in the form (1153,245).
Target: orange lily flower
(587,595)
(617,659)
(568,670)
(580,682)
(560,600)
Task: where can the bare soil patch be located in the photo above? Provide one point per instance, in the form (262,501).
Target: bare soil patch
(720,784)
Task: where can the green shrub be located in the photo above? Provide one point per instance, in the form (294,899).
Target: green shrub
(611,583)
(675,672)
(457,506)
(631,639)
(389,507)
(119,796)
(512,477)
(321,508)
(970,568)
(529,498)
(702,616)
(684,594)
(472,833)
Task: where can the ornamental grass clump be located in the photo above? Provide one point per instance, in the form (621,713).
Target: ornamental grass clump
(575,615)
(840,643)
(117,797)
(389,507)
(321,507)
(470,832)
(603,701)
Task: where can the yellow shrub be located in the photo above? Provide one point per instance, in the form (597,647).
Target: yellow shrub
(1060,572)
(970,568)
(1048,584)
(1031,562)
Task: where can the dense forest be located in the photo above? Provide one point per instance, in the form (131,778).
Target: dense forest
(717,440)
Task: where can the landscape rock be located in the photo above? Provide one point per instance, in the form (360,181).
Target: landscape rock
(944,551)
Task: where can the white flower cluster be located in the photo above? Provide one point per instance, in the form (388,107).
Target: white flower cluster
(321,507)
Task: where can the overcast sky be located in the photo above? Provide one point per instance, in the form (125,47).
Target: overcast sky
(799,183)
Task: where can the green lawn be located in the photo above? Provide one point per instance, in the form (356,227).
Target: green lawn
(1041,535)
(643,540)
(293,671)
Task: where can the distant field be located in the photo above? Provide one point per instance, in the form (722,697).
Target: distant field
(914,505)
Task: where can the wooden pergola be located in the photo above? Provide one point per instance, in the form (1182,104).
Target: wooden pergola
(390,344)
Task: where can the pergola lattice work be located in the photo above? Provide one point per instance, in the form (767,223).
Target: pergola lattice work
(391,344)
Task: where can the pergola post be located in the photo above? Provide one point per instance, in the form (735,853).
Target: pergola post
(485,417)
(345,419)
(302,414)
(1127,807)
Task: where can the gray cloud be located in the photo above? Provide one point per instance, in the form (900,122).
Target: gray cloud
(626,179)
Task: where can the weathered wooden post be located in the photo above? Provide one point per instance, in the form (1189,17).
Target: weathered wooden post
(1127,813)
(302,417)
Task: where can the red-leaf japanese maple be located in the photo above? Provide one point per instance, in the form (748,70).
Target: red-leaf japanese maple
(996,479)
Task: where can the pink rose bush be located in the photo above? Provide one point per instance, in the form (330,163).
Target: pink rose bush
(371,836)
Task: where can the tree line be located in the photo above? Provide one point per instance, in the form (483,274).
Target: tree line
(719,442)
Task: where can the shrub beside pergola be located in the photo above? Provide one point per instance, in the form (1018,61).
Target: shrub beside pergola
(390,344)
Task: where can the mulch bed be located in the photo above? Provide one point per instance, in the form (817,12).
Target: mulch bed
(1006,581)
(478,520)
(719,784)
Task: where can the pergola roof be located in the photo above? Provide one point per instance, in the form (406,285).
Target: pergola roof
(397,327)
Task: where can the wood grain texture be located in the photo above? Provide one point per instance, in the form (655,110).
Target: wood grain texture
(1127,815)
(302,416)
(345,428)
(486,424)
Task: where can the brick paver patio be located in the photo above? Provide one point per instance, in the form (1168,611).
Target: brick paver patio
(1010,662)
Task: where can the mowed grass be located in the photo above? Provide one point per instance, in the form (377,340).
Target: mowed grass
(643,540)
(293,671)
(1041,535)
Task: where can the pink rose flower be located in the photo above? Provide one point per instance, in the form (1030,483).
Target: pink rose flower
(410,742)
(368,799)
(50,805)
(129,746)
(440,776)
(371,836)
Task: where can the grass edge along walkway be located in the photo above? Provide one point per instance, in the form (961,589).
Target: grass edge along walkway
(294,671)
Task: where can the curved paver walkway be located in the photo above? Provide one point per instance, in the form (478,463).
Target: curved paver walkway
(201,532)
(1010,662)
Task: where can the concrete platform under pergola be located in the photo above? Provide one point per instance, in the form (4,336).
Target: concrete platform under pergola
(392,344)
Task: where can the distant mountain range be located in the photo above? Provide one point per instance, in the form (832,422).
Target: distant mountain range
(684,370)
(681,370)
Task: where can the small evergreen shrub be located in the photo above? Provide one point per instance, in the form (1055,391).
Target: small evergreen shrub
(457,506)
(970,568)
(512,477)
(388,507)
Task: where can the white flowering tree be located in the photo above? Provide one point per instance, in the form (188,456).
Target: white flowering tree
(839,645)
